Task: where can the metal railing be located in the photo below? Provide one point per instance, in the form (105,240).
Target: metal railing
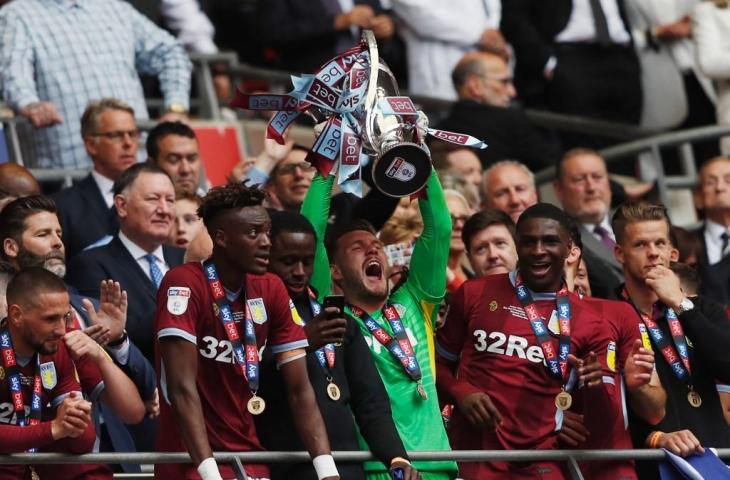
(238,459)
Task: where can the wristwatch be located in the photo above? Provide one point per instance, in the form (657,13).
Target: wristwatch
(177,108)
(685,305)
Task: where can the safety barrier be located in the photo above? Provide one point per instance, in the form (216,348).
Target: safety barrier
(238,459)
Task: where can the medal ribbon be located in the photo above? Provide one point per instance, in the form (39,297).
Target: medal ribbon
(557,362)
(678,359)
(10,364)
(247,358)
(398,345)
(326,354)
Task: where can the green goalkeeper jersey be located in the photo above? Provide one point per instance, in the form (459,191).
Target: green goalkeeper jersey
(418,421)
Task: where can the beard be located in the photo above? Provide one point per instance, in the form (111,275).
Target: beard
(355,289)
(37,344)
(54,261)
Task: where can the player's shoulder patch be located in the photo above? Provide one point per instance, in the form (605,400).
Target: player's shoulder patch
(295,314)
(611,356)
(177,300)
(257,309)
(49,379)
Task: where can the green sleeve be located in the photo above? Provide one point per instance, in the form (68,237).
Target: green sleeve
(316,208)
(427,277)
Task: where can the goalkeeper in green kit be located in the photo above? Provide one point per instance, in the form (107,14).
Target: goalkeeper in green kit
(398,325)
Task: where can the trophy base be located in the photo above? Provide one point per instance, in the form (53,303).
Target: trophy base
(402,170)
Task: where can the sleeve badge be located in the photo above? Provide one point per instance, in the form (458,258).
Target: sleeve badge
(611,356)
(177,300)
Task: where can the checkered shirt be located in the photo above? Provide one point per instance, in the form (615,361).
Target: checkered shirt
(70,52)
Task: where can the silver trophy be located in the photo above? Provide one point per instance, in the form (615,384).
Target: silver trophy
(392,131)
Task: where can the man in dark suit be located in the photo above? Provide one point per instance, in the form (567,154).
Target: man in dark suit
(582,186)
(484,84)
(307,34)
(712,197)
(136,258)
(30,236)
(575,57)
(86,210)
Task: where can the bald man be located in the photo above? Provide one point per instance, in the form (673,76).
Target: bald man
(483,82)
(16,181)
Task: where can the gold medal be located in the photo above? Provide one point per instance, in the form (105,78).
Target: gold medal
(333,391)
(256,405)
(563,400)
(421,391)
(694,399)
(34,474)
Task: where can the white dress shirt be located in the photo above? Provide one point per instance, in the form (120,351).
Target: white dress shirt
(138,253)
(605,224)
(713,241)
(106,187)
(581,28)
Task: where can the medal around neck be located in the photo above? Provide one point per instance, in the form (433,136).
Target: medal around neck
(694,399)
(563,400)
(256,405)
(333,391)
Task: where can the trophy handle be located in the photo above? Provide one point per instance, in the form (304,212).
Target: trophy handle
(371,98)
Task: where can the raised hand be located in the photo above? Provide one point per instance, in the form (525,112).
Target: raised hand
(639,366)
(327,327)
(665,283)
(480,411)
(79,344)
(112,312)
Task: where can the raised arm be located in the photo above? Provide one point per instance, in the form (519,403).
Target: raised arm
(316,208)
(427,277)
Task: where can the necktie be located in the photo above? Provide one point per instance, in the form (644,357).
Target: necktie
(725,240)
(599,20)
(155,272)
(605,237)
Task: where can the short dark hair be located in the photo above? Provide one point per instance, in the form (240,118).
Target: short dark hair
(574,231)
(283,221)
(485,219)
(545,210)
(13,216)
(338,232)
(687,274)
(162,130)
(28,283)
(232,196)
(641,211)
(129,176)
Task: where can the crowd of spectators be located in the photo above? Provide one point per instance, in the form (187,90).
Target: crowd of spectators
(145,309)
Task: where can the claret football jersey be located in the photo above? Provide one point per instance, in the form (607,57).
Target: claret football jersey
(185,309)
(487,332)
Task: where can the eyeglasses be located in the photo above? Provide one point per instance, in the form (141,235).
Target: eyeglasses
(119,136)
(459,218)
(289,168)
(503,80)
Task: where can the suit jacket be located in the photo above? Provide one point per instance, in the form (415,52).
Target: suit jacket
(114,261)
(142,374)
(604,271)
(507,131)
(302,32)
(531,27)
(714,279)
(84,216)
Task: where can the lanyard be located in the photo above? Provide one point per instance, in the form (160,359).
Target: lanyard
(398,345)
(557,362)
(325,355)
(677,359)
(247,358)
(10,364)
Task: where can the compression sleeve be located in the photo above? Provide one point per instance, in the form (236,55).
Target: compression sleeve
(16,439)
(427,277)
(316,209)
